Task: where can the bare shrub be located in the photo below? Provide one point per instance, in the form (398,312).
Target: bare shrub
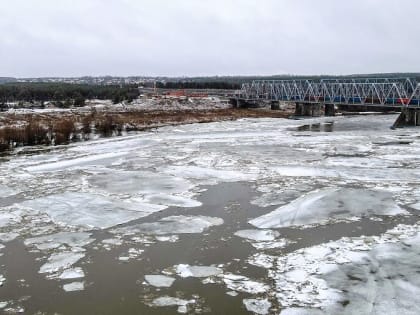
(86,127)
(63,131)
(34,133)
(4,144)
(105,126)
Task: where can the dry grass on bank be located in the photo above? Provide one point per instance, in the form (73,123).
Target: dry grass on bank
(56,128)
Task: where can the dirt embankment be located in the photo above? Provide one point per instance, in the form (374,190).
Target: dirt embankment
(53,128)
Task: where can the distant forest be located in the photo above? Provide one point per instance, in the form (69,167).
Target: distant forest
(65,94)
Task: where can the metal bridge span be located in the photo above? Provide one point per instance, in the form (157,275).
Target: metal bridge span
(389,92)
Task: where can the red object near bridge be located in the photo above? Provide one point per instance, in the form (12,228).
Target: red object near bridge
(403,101)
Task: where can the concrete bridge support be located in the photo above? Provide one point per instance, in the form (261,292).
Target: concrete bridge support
(329,110)
(309,109)
(275,105)
(408,117)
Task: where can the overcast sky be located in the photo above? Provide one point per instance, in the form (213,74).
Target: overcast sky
(208,37)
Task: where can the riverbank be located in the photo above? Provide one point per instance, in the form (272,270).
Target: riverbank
(62,127)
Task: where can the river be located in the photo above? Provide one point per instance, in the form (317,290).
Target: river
(264,216)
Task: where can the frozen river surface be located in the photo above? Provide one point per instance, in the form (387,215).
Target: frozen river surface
(263,216)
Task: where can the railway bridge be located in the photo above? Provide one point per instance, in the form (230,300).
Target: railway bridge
(321,97)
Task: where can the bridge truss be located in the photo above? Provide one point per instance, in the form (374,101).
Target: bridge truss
(395,92)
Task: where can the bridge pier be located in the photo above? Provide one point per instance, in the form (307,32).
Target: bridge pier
(309,109)
(408,117)
(242,103)
(275,105)
(329,110)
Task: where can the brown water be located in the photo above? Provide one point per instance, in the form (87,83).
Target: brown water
(114,287)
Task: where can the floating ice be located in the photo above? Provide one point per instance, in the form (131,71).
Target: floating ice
(258,235)
(3,304)
(375,275)
(172,225)
(6,191)
(7,218)
(301,311)
(74,286)
(305,171)
(148,183)
(208,175)
(257,306)
(262,260)
(90,211)
(133,253)
(53,241)
(8,237)
(172,301)
(280,243)
(159,281)
(73,273)
(60,261)
(172,201)
(112,241)
(322,206)
(416,206)
(2,280)
(243,284)
(14,310)
(170,238)
(123,258)
(186,271)
(82,161)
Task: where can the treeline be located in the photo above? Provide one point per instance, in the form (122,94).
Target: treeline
(64,93)
(220,85)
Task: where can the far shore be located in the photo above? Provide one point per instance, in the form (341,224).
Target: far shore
(49,127)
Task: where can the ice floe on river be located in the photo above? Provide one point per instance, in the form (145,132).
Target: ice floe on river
(6,191)
(172,225)
(258,235)
(257,306)
(60,261)
(74,286)
(375,275)
(89,211)
(263,239)
(173,301)
(185,271)
(64,249)
(159,281)
(329,205)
